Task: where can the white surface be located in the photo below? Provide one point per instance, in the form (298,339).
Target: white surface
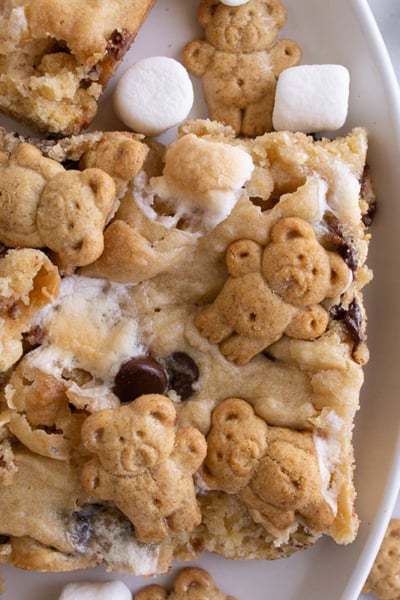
(338,31)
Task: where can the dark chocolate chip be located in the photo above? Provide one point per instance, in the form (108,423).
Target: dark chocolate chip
(268,355)
(367,194)
(119,43)
(351,319)
(82,523)
(336,241)
(183,372)
(33,338)
(4,539)
(140,375)
(70,165)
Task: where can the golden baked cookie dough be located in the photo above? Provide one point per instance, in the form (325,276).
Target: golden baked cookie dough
(57,57)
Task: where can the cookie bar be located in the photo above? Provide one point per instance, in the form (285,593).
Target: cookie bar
(56,58)
(217,340)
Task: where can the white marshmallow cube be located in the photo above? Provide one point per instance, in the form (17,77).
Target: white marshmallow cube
(153,95)
(311,98)
(234,2)
(109,590)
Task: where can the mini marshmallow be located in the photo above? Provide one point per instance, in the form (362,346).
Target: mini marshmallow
(153,95)
(311,98)
(234,2)
(110,590)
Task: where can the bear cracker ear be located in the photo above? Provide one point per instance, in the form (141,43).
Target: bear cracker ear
(243,256)
(157,406)
(206,12)
(93,428)
(231,409)
(340,275)
(193,577)
(290,228)
(152,592)
(277,11)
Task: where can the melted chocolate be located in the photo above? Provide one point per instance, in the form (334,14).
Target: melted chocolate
(4,539)
(336,241)
(351,319)
(183,372)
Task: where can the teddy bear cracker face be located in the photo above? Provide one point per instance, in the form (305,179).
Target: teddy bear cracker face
(252,26)
(298,268)
(236,442)
(132,441)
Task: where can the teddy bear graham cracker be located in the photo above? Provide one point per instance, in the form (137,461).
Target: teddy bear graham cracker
(239,61)
(214,336)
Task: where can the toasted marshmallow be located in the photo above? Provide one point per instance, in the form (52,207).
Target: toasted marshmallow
(311,98)
(109,590)
(202,181)
(153,95)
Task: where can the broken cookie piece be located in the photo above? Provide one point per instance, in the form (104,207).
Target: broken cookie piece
(28,282)
(56,59)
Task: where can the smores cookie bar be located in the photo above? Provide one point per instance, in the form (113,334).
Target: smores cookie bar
(192,384)
(57,57)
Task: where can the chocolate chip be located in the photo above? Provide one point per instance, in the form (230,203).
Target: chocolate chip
(183,372)
(87,525)
(82,523)
(367,194)
(70,165)
(140,375)
(4,539)
(33,338)
(268,355)
(119,43)
(336,241)
(351,319)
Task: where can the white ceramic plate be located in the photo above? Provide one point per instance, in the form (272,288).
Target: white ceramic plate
(332,31)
